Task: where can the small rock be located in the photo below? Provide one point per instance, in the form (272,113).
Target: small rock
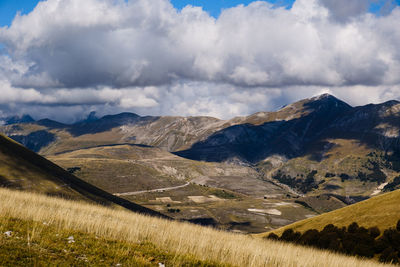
(8,233)
(161,264)
(83,258)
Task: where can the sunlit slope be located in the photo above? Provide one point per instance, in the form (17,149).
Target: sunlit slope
(382,211)
(125,168)
(181,239)
(23,169)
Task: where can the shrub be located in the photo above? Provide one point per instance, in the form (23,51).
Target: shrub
(330,228)
(374,232)
(392,237)
(389,255)
(380,245)
(329,240)
(364,250)
(353,227)
(349,242)
(309,238)
(353,240)
(174,210)
(393,185)
(290,235)
(344,176)
(329,174)
(273,236)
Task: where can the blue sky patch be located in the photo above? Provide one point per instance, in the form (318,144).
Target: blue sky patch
(9,8)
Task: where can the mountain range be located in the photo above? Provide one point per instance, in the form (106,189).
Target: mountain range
(319,154)
(290,132)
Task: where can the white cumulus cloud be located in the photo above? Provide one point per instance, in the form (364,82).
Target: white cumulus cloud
(146,56)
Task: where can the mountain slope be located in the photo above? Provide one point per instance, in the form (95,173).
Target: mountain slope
(23,169)
(286,132)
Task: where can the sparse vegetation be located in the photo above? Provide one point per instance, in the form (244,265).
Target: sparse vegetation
(174,210)
(73,169)
(303,185)
(393,185)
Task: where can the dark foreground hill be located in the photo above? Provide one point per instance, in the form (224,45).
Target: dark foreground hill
(23,169)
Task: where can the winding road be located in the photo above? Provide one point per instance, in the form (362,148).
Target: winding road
(152,190)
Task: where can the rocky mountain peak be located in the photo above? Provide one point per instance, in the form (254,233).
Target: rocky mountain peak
(25,118)
(326,99)
(92,116)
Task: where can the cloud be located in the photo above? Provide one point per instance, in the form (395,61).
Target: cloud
(148,57)
(343,10)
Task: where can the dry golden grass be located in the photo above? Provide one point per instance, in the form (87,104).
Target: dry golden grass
(181,238)
(382,211)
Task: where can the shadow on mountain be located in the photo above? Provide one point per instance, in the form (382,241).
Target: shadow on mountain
(107,123)
(35,140)
(204,221)
(51,124)
(4,182)
(327,118)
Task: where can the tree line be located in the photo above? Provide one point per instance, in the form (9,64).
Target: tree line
(351,240)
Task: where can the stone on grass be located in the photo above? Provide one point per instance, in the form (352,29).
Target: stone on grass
(8,233)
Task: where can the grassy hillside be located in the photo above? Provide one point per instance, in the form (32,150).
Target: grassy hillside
(50,221)
(382,211)
(40,244)
(23,169)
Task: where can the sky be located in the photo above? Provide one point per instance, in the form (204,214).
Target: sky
(63,59)
(9,8)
